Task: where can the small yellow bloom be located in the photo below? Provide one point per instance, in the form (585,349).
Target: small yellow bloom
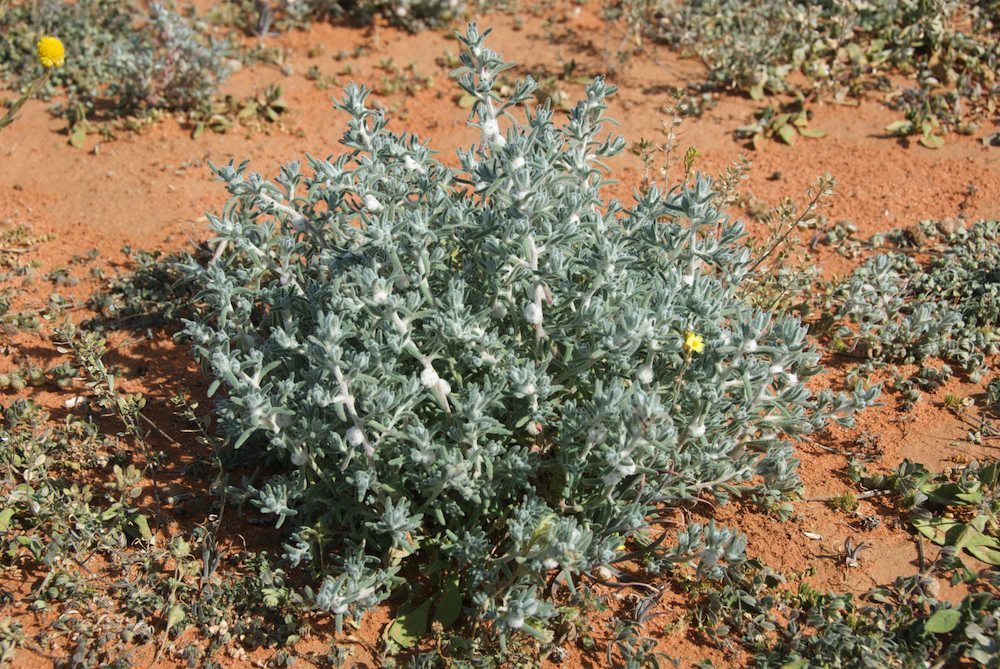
(693,343)
(51,52)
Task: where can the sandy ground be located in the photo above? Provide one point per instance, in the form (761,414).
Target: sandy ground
(151,191)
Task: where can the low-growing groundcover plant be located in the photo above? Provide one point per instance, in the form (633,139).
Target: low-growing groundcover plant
(949,49)
(124,58)
(471,381)
(264,17)
(914,305)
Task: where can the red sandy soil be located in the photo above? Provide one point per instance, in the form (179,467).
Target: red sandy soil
(151,189)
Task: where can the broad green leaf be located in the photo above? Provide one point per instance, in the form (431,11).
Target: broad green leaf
(801,663)
(142,525)
(449,605)
(899,127)
(467,101)
(78,137)
(781,119)
(987,554)
(757,92)
(936,529)
(787,134)
(175,616)
(408,628)
(932,141)
(812,132)
(943,621)
(5,517)
(951,493)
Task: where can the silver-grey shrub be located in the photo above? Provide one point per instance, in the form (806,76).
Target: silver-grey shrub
(481,371)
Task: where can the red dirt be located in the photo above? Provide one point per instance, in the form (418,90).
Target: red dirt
(150,190)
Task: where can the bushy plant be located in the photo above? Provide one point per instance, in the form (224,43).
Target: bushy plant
(492,373)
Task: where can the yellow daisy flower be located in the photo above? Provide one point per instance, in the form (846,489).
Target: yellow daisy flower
(51,52)
(693,343)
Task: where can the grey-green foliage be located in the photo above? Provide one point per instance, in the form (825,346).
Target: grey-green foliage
(901,309)
(480,371)
(950,47)
(141,59)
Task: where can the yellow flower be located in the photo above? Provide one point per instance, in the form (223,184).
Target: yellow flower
(51,52)
(693,343)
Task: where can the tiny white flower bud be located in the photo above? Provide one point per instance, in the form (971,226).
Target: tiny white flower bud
(776,369)
(574,219)
(355,437)
(792,379)
(517,163)
(696,431)
(549,563)
(750,345)
(528,388)
(688,279)
(380,296)
(371,203)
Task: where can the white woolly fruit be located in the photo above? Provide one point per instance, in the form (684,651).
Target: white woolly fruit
(355,437)
(517,163)
(776,369)
(380,296)
(533,313)
(491,129)
(688,279)
(696,430)
(429,377)
(645,374)
(372,203)
(792,379)
(750,345)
